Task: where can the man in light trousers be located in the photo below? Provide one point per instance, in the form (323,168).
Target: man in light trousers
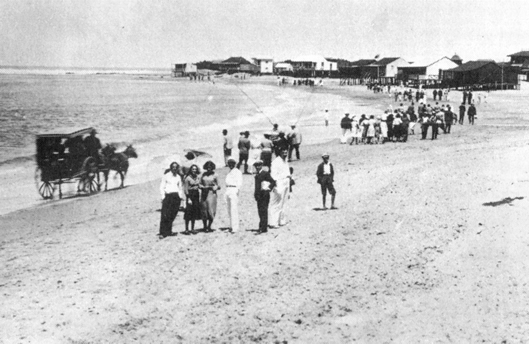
(233,185)
(280,172)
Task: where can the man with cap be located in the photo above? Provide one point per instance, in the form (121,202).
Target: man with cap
(325,174)
(280,172)
(263,185)
(294,140)
(233,185)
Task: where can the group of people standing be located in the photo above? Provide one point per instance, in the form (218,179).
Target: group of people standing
(273,183)
(198,191)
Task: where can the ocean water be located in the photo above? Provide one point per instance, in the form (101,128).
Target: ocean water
(161,116)
(123,108)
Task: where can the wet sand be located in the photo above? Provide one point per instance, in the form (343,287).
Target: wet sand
(429,244)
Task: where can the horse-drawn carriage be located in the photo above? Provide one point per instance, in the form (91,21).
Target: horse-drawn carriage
(62,157)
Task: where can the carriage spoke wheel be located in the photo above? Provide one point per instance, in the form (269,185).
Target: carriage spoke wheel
(44,187)
(92,185)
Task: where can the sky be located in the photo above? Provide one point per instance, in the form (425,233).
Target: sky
(159,33)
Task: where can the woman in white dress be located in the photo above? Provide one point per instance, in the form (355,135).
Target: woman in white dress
(370,129)
(383,128)
(357,132)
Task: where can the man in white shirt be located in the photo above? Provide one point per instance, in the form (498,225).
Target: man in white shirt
(280,172)
(172,193)
(233,185)
(227,146)
(294,141)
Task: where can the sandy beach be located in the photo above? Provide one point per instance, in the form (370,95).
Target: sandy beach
(429,245)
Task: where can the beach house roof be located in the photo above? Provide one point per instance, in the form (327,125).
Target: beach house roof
(238,59)
(521,54)
(385,61)
(423,64)
(363,62)
(309,58)
(471,65)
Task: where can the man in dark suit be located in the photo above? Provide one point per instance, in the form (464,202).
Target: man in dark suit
(462,110)
(471,114)
(263,184)
(325,174)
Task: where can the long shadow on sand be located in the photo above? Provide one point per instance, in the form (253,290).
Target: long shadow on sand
(506,200)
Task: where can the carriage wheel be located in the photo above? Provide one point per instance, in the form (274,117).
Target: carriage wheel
(44,187)
(93,185)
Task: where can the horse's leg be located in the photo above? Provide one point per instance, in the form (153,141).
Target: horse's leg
(122,175)
(106,179)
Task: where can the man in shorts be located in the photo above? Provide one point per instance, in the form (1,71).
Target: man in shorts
(325,174)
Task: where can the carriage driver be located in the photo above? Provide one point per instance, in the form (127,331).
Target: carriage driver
(93,145)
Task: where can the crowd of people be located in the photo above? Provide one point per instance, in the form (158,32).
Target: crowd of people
(273,176)
(282,81)
(273,183)
(396,124)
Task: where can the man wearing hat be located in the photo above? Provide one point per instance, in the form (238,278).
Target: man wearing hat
(325,174)
(294,140)
(263,185)
(233,185)
(93,145)
(280,172)
(244,150)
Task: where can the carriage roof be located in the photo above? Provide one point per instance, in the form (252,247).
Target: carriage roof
(66,133)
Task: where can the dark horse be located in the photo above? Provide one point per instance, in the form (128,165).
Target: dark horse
(118,162)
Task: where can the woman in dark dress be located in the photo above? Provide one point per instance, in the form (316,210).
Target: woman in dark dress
(209,184)
(191,189)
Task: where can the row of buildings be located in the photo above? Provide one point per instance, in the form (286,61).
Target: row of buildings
(451,72)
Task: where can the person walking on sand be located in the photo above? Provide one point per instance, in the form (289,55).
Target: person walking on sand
(469,97)
(263,185)
(172,193)
(244,151)
(209,184)
(471,114)
(233,185)
(462,110)
(280,172)
(294,141)
(227,146)
(325,174)
(326,117)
